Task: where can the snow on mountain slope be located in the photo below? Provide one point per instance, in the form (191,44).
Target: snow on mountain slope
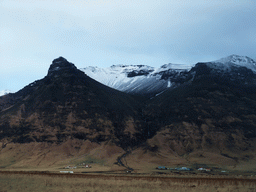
(4,92)
(234,61)
(147,80)
(137,79)
(142,79)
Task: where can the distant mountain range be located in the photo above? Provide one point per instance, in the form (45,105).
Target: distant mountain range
(146,80)
(206,113)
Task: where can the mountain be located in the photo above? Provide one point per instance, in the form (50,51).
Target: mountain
(68,104)
(234,61)
(208,117)
(213,112)
(139,79)
(150,81)
(203,115)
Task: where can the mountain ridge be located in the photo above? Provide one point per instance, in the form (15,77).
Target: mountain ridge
(143,79)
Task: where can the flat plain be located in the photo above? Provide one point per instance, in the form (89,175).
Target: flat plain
(11,181)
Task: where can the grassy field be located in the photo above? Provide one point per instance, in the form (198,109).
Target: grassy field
(36,167)
(95,183)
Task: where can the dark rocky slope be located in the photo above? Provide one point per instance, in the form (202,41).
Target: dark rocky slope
(212,111)
(68,104)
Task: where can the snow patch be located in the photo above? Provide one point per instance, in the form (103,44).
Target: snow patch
(4,92)
(169,83)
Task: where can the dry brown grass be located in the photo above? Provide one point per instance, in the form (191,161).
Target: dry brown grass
(45,155)
(97,183)
(53,158)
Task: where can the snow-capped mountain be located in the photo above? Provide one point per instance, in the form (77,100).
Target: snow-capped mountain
(146,80)
(139,79)
(234,61)
(4,92)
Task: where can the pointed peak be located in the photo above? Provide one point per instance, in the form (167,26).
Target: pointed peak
(61,64)
(60,60)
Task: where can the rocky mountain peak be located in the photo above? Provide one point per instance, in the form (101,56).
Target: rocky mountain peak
(61,65)
(234,60)
(59,60)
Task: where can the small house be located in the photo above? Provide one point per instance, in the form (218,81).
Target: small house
(161,167)
(203,169)
(183,169)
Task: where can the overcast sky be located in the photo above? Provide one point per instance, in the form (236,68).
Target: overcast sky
(110,32)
